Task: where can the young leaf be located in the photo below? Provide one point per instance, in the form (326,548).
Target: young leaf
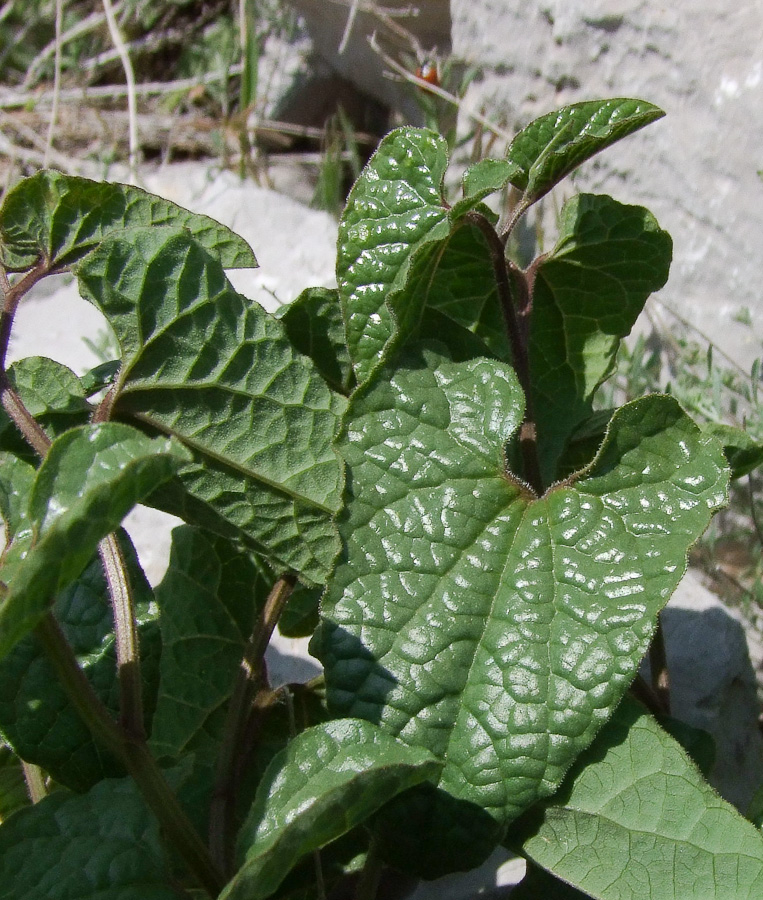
(328,780)
(209,599)
(484,178)
(744,454)
(393,211)
(314,325)
(587,295)
(205,364)
(94,846)
(90,479)
(53,395)
(635,818)
(550,147)
(36,716)
(497,629)
(59,218)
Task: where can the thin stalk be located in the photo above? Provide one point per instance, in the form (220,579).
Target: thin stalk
(135,756)
(221,821)
(22,418)
(126,634)
(753,511)
(368,885)
(35,782)
(56,84)
(132,108)
(518,338)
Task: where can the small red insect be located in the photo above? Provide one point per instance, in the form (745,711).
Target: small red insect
(428,72)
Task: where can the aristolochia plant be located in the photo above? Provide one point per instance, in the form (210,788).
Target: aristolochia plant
(417,452)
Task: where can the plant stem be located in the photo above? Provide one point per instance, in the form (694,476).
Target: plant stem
(516,318)
(12,294)
(22,418)
(35,782)
(221,817)
(126,634)
(368,885)
(134,754)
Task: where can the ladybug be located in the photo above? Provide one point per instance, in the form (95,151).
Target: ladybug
(427,71)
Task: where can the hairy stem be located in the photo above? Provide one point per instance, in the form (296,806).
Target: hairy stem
(515,317)
(22,418)
(134,754)
(126,634)
(12,294)
(221,818)
(35,781)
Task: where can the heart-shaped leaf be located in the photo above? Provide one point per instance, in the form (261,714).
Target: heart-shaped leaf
(550,147)
(59,218)
(495,628)
(635,818)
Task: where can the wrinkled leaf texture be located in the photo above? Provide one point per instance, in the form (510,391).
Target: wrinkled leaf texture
(497,629)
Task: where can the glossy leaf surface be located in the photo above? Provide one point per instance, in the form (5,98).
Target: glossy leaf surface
(587,295)
(212,368)
(103,844)
(550,147)
(393,211)
(328,780)
(59,218)
(636,819)
(90,479)
(494,628)
(36,716)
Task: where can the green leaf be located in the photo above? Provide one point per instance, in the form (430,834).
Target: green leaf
(103,844)
(59,218)
(209,599)
(328,780)
(393,211)
(36,716)
(635,819)
(52,393)
(482,179)
(16,481)
(90,479)
(496,629)
(314,324)
(550,147)
(744,454)
(300,616)
(464,288)
(205,364)
(587,295)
